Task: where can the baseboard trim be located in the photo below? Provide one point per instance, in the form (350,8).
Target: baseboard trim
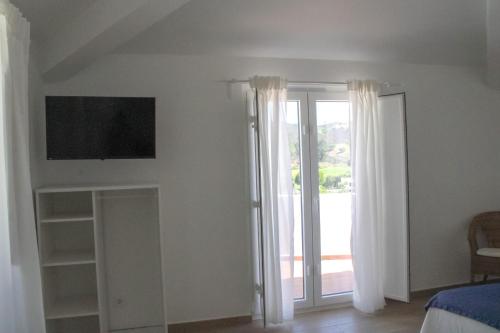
(432,291)
(208,324)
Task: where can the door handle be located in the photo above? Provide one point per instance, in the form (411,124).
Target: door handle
(304,130)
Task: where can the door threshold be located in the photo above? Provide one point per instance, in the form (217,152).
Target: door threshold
(320,308)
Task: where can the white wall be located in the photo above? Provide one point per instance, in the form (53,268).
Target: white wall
(454,158)
(35,95)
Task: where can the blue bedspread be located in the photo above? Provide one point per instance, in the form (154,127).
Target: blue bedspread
(481,303)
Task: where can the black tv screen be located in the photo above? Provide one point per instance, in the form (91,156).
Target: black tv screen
(100,127)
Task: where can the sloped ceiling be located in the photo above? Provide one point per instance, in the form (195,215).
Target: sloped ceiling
(48,16)
(413,31)
(449,32)
(85,33)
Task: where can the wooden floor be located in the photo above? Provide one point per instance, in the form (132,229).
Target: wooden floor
(395,318)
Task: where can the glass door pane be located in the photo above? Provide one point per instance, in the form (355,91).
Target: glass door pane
(293,128)
(334,196)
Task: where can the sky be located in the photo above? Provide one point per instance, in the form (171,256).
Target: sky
(328,112)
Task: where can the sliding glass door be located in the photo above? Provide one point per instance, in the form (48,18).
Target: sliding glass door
(319,138)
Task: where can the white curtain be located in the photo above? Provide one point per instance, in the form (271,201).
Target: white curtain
(276,197)
(20,284)
(368,196)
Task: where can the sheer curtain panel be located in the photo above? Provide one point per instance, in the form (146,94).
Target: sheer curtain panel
(21,308)
(275,197)
(368,196)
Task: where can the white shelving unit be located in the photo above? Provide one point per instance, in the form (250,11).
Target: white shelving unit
(69,257)
(74,307)
(101,258)
(66,218)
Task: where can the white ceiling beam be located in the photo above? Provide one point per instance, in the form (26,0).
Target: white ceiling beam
(493,43)
(98,31)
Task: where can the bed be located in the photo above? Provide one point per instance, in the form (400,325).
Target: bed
(464,310)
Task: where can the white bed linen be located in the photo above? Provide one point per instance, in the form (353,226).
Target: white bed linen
(441,321)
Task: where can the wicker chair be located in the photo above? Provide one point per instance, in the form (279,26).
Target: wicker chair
(485,260)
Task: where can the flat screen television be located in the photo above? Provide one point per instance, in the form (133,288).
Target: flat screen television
(100,127)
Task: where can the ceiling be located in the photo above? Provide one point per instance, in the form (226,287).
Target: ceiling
(411,31)
(49,16)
